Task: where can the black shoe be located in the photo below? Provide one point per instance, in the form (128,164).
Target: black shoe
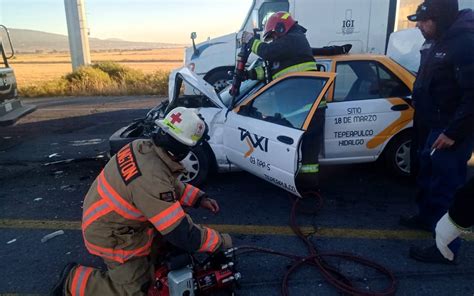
(58,289)
(414,222)
(430,255)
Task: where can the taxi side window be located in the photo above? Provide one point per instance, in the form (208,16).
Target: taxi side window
(365,80)
(286,103)
(390,85)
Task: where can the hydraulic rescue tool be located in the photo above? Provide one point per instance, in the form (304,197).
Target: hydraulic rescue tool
(239,71)
(184,275)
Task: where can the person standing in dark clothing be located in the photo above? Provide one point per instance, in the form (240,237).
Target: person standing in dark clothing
(286,50)
(443,96)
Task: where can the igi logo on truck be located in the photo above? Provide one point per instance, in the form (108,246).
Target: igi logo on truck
(348,23)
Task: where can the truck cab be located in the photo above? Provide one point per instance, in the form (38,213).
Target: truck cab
(11,108)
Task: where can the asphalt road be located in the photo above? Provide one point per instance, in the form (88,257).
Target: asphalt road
(40,194)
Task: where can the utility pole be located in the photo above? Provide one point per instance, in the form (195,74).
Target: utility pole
(77,33)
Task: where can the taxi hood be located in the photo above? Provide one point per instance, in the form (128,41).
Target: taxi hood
(193,84)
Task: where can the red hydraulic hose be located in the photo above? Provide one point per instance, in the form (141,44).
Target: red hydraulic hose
(316,259)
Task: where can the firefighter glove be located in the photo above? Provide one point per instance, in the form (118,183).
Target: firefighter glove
(247,37)
(346,48)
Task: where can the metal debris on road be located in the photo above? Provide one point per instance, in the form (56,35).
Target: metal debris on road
(11,241)
(51,235)
(86,142)
(59,162)
(38,199)
(53,155)
(69,188)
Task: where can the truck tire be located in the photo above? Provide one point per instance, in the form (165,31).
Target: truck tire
(219,79)
(397,155)
(197,164)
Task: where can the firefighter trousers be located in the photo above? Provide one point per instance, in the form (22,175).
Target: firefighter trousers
(129,278)
(308,175)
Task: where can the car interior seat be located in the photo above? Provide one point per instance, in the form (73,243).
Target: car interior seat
(366,86)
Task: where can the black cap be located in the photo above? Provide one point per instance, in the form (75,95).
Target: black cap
(435,9)
(422,13)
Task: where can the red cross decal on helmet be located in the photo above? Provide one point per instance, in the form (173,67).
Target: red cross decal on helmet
(176,118)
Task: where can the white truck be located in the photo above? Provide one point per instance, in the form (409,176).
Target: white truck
(11,108)
(366,24)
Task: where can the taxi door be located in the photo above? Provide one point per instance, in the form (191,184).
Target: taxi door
(366,110)
(262,135)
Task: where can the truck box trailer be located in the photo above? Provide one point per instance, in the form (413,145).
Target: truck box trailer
(366,24)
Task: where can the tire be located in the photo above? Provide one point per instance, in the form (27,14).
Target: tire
(397,155)
(197,164)
(219,79)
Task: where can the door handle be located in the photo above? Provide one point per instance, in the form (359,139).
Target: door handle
(400,107)
(285,139)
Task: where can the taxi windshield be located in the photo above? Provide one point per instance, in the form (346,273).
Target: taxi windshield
(247,88)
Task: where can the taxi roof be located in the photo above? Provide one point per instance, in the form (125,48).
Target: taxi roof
(352,57)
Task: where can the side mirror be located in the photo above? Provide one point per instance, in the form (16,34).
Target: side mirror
(6,36)
(194,36)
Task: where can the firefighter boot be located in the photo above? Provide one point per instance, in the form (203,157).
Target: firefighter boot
(58,289)
(431,255)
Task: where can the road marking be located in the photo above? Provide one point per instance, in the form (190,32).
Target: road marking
(92,109)
(250,230)
(16,294)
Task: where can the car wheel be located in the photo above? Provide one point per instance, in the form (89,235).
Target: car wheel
(397,155)
(197,164)
(219,80)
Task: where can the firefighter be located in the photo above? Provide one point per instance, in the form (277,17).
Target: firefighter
(287,50)
(138,200)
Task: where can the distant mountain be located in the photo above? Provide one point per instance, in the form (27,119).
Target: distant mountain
(34,41)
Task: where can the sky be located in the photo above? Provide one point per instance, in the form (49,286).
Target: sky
(169,21)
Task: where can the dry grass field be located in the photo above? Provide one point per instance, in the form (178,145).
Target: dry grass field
(33,69)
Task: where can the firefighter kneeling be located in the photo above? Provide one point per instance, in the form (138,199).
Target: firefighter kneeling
(137,201)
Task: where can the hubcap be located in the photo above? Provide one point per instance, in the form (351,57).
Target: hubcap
(191,164)
(402,157)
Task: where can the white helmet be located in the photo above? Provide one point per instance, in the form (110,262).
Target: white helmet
(183,124)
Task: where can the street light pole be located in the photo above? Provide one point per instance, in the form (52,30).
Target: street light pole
(77,33)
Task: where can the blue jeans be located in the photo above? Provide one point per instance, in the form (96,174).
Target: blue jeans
(439,176)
